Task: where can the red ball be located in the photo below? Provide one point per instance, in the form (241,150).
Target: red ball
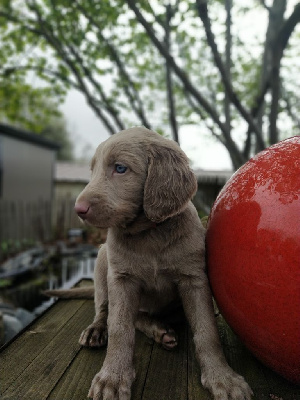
(253,255)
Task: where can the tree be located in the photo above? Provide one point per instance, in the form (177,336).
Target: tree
(161,64)
(57,130)
(25,106)
(29,108)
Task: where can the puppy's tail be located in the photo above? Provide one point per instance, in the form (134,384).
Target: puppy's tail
(76,293)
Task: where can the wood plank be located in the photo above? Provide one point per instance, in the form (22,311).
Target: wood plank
(280,389)
(46,362)
(19,354)
(142,356)
(167,371)
(77,379)
(25,347)
(37,379)
(241,360)
(265,383)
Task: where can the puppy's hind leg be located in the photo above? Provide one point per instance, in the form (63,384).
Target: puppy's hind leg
(157,330)
(95,335)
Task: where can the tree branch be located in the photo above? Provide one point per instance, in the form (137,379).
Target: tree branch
(169,83)
(186,82)
(129,88)
(288,27)
(258,109)
(203,14)
(263,3)
(48,34)
(258,102)
(9,71)
(13,18)
(276,53)
(278,46)
(228,61)
(79,62)
(104,100)
(289,107)
(199,111)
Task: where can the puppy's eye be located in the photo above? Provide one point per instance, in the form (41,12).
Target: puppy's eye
(120,169)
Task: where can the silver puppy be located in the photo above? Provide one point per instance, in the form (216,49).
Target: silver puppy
(140,189)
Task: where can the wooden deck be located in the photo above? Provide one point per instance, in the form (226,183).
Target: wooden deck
(45,361)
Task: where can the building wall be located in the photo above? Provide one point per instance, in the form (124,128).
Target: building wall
(27,170)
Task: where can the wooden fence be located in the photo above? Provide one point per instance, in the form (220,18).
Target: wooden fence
(64,217)
(20,220)
(37,220)
(22,223)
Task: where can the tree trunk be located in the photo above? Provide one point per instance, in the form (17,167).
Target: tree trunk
(271,66)
(169,82)
(228,61)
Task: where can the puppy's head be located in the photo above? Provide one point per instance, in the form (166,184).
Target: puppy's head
(133,171)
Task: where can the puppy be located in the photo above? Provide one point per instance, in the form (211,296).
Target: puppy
(140,189)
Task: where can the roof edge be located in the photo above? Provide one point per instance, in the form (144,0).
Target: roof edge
(27,136)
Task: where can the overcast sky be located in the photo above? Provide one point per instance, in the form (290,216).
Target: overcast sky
(87,132)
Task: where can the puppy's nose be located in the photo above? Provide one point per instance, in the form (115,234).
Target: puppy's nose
(82,208)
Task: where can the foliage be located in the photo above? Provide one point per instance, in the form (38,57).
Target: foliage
(164,65)
(10,247)
(56,129)
(24,106)
(29,108)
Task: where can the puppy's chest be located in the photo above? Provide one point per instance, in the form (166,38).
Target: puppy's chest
(154,269)
(157,276)
(157,263)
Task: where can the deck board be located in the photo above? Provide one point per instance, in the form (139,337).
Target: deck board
(26,348)
(46,362)
(167,372)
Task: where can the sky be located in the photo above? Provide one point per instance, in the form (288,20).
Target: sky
(88,132)
(205,153)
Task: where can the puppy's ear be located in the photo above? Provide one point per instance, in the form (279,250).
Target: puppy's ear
(170,183)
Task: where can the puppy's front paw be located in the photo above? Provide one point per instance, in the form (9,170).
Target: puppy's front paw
(225,384)
(110,384)
(94,336)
